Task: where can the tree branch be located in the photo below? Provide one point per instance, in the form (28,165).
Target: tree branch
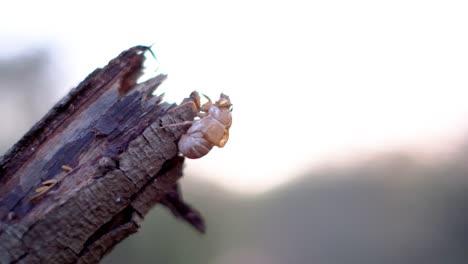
(105,155)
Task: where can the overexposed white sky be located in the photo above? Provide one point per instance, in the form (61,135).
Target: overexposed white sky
(311,81)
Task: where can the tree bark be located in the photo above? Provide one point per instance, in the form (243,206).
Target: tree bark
(82,179)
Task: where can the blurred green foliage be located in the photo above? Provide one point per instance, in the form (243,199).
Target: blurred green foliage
(391,209)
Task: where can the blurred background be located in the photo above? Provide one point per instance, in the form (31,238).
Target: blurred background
(349,142)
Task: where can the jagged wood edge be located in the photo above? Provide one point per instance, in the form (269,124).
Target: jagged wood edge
(87,226)
(128,61)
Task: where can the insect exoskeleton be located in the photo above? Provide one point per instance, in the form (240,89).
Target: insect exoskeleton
(212,129)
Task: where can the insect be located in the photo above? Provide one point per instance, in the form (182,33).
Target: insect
(212,129)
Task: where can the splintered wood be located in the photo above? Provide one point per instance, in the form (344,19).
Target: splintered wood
(83,177)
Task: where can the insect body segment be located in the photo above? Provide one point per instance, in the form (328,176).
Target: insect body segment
(212,129)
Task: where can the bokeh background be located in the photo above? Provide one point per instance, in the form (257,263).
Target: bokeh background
(350,137)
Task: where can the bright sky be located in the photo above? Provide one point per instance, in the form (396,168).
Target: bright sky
(311,81)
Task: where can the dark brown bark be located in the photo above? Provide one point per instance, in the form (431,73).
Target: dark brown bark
(113,133)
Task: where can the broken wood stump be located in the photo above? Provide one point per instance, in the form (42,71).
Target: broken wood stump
(82,179)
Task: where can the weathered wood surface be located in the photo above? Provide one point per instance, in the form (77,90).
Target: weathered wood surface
(113,132)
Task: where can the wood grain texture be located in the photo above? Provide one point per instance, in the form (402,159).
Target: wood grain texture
(113,132)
